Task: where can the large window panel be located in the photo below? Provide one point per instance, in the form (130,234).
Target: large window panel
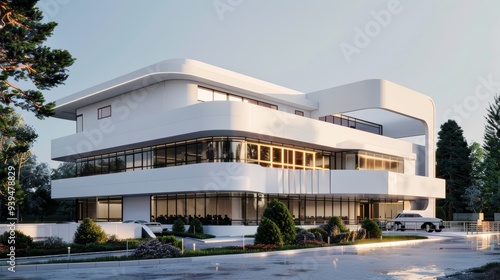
(191,154)
(205,94)
(220,96)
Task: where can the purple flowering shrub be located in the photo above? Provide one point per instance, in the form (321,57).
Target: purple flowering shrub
(154,249)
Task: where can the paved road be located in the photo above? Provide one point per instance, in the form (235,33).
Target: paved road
(427,260)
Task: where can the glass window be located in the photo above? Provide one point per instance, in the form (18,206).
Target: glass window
(235,98)
(252,152)
(180,155)
(205,94)
(251,101)
(160,157)
(220,96)
(105,165)
(309,159)
(138,160)
(299,158)
(299,113)
(191,154)
(277,155)
(265,153)
(104,112)
(171,156)
(79,123)
(129,160)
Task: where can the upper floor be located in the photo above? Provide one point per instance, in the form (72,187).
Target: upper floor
(178,100)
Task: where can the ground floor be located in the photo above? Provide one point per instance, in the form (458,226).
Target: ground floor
(237,208)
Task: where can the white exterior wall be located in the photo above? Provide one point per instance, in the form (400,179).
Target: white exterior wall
(225,116)
(159,97)
(206,177)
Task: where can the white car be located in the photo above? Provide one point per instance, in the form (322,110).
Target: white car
(404,221)
(156,228)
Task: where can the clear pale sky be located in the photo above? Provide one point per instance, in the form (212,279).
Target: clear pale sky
(447,50)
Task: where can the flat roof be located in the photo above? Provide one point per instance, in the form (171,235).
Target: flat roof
(179,69)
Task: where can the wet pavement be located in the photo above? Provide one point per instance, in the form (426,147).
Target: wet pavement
(443,255)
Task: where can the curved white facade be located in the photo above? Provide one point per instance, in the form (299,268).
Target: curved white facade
(126,120)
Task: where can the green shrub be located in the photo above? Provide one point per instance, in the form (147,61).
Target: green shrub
(268,233)
(89,232)
(21,240)
(372,228)
(336,221)
(53,242)
(154,249)
(195,226)
(178,226)
(361,234)
(170,239)
(278,213)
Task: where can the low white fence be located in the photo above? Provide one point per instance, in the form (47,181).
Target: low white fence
(472,227)
(67,230)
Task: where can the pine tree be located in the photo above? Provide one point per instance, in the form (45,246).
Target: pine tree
(24,58)
(454,165)
(26,68)
(491,146)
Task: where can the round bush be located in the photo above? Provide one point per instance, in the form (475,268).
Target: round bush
(195,226)
(178,226)
(89,232)
(278,213)
(372,228)
(154,249)
(336,221)
(22,240)
(268,233)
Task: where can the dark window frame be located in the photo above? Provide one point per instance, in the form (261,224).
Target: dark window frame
(100,112)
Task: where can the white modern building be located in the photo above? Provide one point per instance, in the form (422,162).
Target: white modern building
(184,138)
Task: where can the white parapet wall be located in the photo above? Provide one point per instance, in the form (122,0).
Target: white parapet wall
(67,230)
(230,230)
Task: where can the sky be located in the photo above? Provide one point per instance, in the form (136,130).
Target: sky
(447,50)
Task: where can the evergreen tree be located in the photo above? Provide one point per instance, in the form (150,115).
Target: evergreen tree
(268,233)
(24,58)
(278,213)
(89,232)
(473,194)
(26,68)
(491,146)
(16,139)
(454,165)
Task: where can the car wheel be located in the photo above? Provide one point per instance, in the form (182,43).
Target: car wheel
(429,227)
(398,226)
